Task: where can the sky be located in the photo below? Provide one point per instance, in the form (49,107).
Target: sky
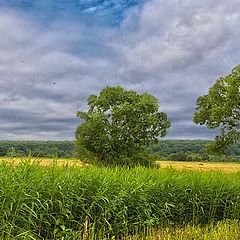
(55,53)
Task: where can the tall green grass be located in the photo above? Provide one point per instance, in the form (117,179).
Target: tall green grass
(65,202)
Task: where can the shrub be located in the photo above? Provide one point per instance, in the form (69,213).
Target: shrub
(194,157)
(179,156)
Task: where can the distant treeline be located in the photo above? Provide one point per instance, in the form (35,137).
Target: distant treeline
(52,149)
(192,150)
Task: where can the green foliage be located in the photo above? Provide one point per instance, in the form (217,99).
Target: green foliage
(180,149)
(11,152)
(223,158)
(67,149)
(179,156)
(166,147)
(217,147)
(220,108)
(182,156)
(119,126)
(68,203)
(51,149)
(194,157)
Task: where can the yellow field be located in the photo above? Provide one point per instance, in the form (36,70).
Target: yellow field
(203,166)
(45,161)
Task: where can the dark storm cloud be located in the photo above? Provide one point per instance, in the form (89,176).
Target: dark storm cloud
(172,49)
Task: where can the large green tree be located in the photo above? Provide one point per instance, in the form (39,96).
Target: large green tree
(220,108)
(119,125)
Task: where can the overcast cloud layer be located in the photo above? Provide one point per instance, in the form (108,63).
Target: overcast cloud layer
(53,55)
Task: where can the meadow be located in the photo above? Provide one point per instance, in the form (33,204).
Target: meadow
(179,165)
(56,202)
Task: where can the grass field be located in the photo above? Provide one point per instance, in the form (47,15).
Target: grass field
(179,165)
(203,166)
(39,202)
(44,161)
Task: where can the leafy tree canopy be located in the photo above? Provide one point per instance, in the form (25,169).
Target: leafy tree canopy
(220,108)
(119,125)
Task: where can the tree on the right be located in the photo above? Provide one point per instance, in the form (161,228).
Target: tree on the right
(220,108)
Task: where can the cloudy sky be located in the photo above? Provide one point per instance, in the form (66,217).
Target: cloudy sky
(54,53)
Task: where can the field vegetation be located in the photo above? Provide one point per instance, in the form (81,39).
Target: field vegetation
(178,165)
(39,202)
(201,166)
(169,149)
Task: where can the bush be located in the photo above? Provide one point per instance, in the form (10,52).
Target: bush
(224,158)
(179,156)
(194,157)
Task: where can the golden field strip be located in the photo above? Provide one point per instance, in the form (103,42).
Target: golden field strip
(44,161)
(203,166)
(179,165)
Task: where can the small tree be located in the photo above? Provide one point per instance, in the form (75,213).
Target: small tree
(220,108)
(119,125)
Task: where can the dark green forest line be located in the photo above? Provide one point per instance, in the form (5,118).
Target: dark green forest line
(191,150)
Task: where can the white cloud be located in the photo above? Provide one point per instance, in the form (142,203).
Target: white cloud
(172,49)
